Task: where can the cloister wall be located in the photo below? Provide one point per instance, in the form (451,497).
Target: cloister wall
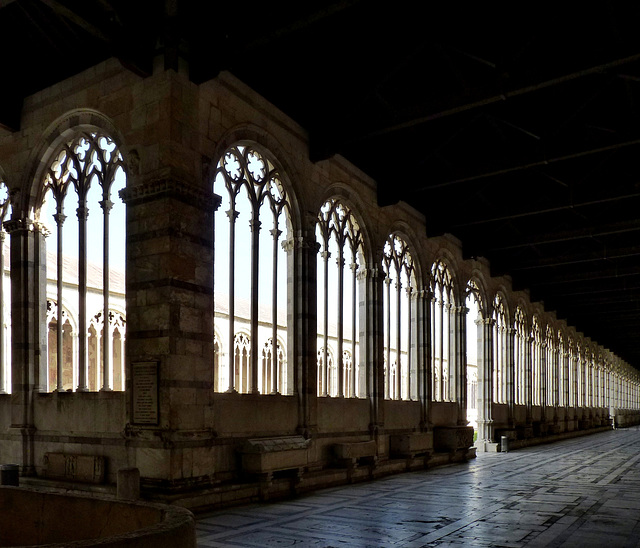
(172,133)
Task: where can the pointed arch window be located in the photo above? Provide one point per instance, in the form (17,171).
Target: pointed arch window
(270,362)
(116,333)
(60,376)
(442,337)
(326,357)
(400,315)
(536,362)
(562,381)
(572,372)
(340,240)
(499,351)
(251,264)
(520,351)
(86,172)
(473,303)
(580,372)
(242,361)
(550,374)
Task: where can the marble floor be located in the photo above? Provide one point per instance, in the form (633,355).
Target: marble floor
(583,492)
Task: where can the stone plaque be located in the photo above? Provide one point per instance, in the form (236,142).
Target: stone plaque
(145,393)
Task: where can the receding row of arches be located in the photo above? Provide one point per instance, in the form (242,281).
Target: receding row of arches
(420,316)
(432,328)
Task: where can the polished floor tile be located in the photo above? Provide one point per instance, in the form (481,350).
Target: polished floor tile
(581,493)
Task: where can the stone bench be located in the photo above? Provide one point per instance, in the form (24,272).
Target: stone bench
(70,467)
(411,445)
(264,456)
(350,454)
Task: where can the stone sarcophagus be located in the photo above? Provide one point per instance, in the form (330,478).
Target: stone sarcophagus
(70,467)
(352,453)
(452,438)
(269,455)
(411,445)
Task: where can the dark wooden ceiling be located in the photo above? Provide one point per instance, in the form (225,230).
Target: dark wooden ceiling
(515,130)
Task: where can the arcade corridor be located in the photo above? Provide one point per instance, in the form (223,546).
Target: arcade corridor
(583,492)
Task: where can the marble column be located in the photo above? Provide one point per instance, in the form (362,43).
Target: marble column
(371,323)
(461,363)
(485,380)
(28,332)
(510,373)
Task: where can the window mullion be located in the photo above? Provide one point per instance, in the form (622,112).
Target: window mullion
(106,204)
(82,213)
(59,217)
(274,308)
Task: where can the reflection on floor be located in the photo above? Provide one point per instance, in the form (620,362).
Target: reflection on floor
(583,492)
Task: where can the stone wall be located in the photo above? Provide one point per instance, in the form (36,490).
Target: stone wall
(172,134)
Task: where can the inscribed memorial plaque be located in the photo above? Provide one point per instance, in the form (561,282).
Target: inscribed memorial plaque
(145,393)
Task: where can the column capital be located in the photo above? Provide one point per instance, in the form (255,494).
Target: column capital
(83,212)
(255,225)
(371,272)
(59,218)
(486,321)
(301,242)
(106,205)
(24,224)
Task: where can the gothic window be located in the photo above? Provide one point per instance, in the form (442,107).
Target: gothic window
(251,264)
(326,357)
(499,351)
(571,372)
(60,378)
(591,387)
(536,362)
(242,361)
(399,318)
(561,370)
(85,175)
(473,304)
(550,378)
(115,333)
(580,401)
(5,294)
(597,370)
(340,240)
(266,379)
(348,370)
(520,352)
(442,324)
